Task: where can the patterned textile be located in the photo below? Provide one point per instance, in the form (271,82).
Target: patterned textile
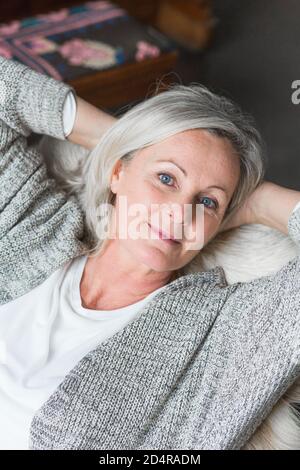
(76,41)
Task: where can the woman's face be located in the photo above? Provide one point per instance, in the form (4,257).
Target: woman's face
(160,192)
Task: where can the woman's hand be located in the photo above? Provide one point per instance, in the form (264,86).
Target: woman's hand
(269,204)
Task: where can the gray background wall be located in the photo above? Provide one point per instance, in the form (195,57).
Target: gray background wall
(253,58)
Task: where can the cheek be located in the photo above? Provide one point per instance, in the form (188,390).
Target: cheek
(146,194)
(137,189)
(136,202)
(201,231)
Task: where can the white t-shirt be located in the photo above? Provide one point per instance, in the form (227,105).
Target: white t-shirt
(44,334)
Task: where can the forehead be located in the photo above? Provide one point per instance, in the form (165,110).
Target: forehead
(206,157)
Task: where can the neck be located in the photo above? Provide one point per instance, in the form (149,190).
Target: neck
(123,285)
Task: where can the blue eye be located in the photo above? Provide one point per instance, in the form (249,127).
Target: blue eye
(165,175)
(166,178)
(214,202)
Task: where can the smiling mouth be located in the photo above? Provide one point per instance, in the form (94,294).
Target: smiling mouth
(170,241)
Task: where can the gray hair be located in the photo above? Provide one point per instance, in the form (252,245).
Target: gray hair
(177,109)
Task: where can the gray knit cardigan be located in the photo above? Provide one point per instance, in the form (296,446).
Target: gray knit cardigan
(204,363)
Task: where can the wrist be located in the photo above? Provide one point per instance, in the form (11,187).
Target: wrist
(274,205)
(90,124)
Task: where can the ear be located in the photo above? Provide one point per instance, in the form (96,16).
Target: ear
(115,177)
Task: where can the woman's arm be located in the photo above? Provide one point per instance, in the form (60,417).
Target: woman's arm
(258,332)
(90,124)
(270,204)
(273,205)
(29,102)
(40,228)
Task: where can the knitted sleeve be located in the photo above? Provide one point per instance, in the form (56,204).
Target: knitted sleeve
(39,226)
(258,334)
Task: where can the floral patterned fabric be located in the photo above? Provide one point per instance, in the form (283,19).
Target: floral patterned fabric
(76,41)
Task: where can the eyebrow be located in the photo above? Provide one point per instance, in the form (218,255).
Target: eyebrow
(185,173)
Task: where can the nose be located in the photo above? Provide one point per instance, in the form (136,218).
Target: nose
(171,220)
(186,220)
(182,213)
(176,213)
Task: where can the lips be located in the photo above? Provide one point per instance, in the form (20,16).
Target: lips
(164,236)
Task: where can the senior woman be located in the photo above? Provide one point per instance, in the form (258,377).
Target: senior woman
(108,341)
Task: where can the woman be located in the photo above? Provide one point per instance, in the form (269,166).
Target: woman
(109,344)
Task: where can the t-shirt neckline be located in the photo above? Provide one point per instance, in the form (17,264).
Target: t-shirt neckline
(97,314)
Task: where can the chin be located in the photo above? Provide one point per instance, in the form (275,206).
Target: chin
(153,256)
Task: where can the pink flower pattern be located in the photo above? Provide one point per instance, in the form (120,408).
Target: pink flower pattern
(90,53)
(145,49)
(40,45)
(9,28)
